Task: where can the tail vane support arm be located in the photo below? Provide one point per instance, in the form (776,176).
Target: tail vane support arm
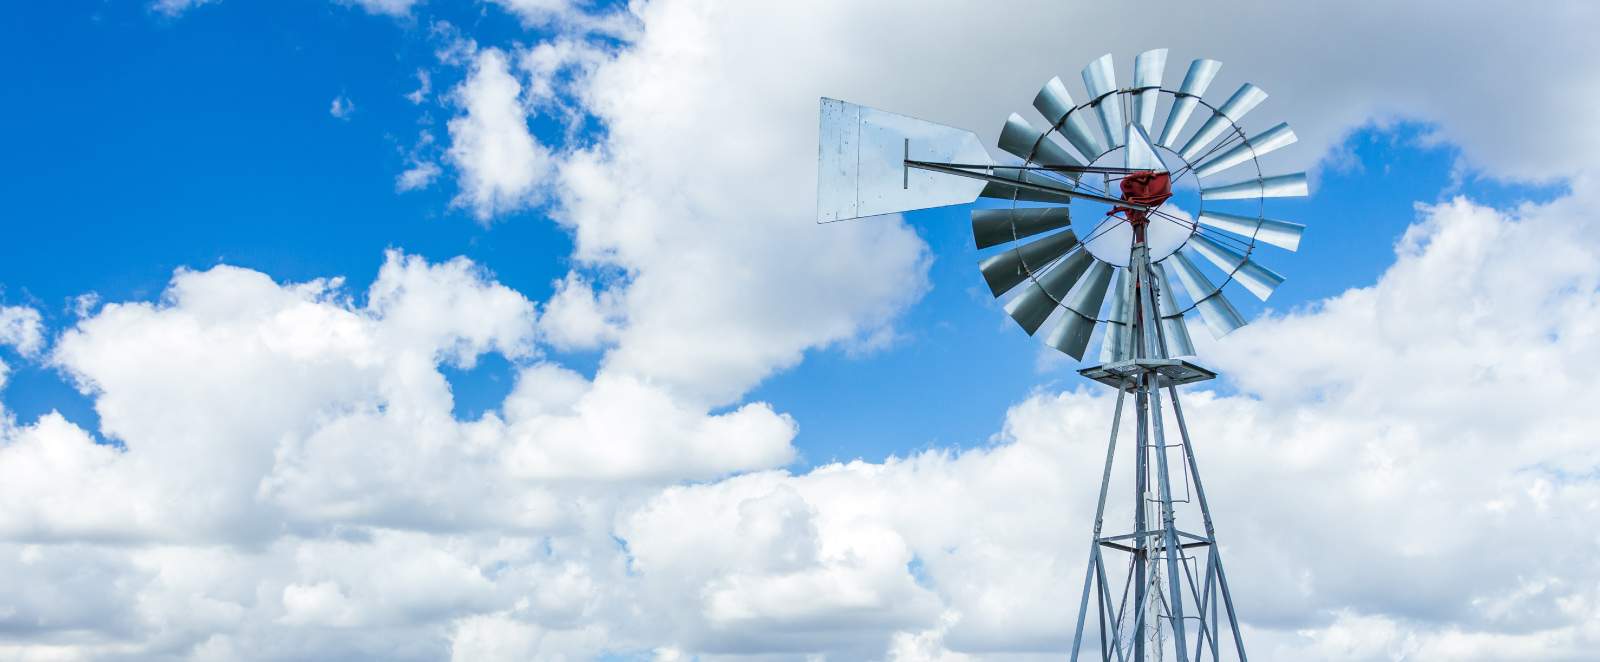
(984,173)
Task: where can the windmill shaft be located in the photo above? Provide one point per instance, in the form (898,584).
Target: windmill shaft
(1170,611)
(1152,349)
(971,172)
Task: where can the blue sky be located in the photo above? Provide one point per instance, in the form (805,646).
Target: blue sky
(591,388)
(156,144)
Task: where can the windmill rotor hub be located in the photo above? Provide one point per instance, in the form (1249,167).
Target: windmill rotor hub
(1150,188)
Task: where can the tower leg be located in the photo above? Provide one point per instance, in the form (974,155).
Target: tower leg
(1094,545)
(1211,533)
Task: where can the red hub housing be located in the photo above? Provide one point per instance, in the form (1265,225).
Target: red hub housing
(1146,188)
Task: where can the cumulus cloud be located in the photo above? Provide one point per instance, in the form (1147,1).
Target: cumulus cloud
(267,440)
(575,317)
(501,165)
(288,481)
(288,466)
(1400,471)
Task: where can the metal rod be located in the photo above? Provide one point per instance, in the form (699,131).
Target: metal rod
(1200,615)
(1111,449)
(1049,168)
(1122,606)
(1129,290)
(1105,589)
(1140,399)
(1099,519)
(1083,607)
(947,169)
(1205,514)
(1194,469)
(1227,600)
(1100,616)
(1208,604)
(1147,315)
(1215,652)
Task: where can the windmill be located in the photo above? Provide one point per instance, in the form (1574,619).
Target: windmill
(1126,242)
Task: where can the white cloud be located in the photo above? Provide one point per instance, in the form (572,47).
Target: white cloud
(396,8)
(572,16)
(555,72)
(173,8)
(20,328)
(502,166)
(422,168)
(341,108)
(576,317)
(538,12)
(419,176)
(424,88)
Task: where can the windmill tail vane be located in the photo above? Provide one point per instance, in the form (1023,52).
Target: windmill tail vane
(1108,275)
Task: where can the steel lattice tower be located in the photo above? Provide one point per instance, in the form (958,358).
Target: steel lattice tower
(1171,597)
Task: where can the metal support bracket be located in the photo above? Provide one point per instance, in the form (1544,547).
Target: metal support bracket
(1173,372)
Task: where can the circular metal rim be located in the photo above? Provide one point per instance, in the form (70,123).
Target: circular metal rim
(1236,133)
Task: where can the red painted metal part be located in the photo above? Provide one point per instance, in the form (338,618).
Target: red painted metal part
(1146,188)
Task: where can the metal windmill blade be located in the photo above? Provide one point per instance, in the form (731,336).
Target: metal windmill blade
(1147,69)
(1247,98)
(1055,103)
(1278,233)
(1267,141)
(1100,77)
(1188,96)
(1114,266)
